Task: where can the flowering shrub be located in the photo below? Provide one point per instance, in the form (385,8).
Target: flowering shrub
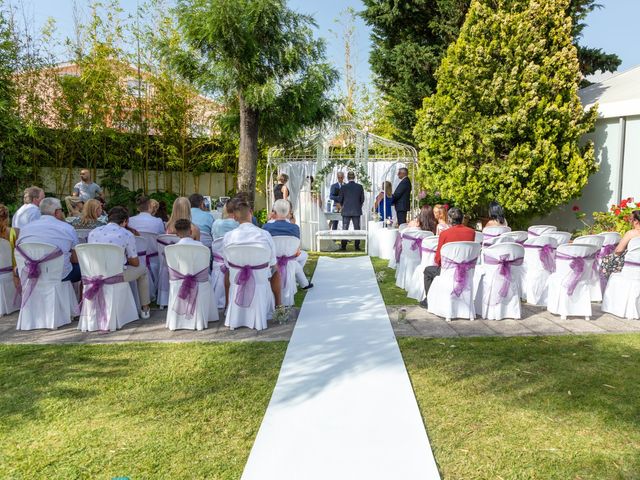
(432,199)
(615,220)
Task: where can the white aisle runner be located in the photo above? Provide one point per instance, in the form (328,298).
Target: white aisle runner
(343,406)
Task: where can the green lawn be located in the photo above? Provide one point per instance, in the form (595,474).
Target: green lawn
(532,407)
(143,411)
(391,294)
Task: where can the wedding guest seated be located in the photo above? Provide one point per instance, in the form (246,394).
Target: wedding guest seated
(248,234)
(200,216)
(440,213)
(29,211)
(280,225)
(74,210)
(183,230)
(496,216)
(456,233)
(145,221)
(426,220)
(182,209)
(8,233)
(228,222)
(52,229)
(90,217)
(614,262)
(116,233)
(154,205)
(161,211)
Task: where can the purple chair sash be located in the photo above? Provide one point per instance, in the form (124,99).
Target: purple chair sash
(147,261)
(220,259)
(31,271)
(6,269)
(185,303)
(533,233)
(246,282)
(93,291)
(504,272)
(397,247)
(416,243)
(631,264)
(546,256)
(461,274)
(283,261)
(577,268)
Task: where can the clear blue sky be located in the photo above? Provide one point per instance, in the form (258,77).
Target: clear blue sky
(613,28)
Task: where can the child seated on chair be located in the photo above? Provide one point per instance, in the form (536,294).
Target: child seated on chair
(183,230)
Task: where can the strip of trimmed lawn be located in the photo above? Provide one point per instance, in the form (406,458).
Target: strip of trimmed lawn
(530,407)
(156,411)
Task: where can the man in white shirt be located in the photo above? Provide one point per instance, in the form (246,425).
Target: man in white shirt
(52,229)
(144,222)
(248,234)
(116,233)
(30,210)
(183,230)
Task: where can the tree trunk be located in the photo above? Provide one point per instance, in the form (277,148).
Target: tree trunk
(248,157)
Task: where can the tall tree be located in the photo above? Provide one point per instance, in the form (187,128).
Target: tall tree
(410,39)
(262,58)
(506,120)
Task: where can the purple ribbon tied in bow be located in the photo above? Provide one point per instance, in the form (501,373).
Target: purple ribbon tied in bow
(246,283)
(94,292)
(283,261)
(546,256)
(416,243)
(397,247)
(220,260)
(185,303)
(577,269)
(31,271)
(504,271)
(460,276)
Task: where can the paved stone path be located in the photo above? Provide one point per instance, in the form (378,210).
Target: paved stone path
(418,323)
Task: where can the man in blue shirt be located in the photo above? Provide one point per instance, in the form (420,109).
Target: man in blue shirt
(201,218)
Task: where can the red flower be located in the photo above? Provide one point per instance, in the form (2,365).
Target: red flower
(623,204)
(617,211)
(576,208)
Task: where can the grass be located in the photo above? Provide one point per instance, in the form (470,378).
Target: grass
(532,407)
(155,411)
(391,294)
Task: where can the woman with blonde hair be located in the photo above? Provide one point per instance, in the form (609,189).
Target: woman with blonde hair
(153,206)
(440,212)
(7,232)
(182,210)
(90,218)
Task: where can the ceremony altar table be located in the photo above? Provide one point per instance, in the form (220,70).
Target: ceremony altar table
(385,239)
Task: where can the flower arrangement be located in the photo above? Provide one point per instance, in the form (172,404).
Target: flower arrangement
(432,199)
(281,314)
(615,220)
(375,217)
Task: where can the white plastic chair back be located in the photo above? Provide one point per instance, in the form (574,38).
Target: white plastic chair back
(152,261)
(83,234)
(189,260)
(536,276)
(512,237)
(254,315)
(595,240)
(562,301)
(633,243)
(403,227)
(217,275)
(536,230)
(53,302)
(610,238)
(561,237)
(441,297)
(163,272)
(410,257)
(596,287)
(489,299)
(622,294)
(492,233)
(288,246)
(106,260)
(9,302)
(415,288)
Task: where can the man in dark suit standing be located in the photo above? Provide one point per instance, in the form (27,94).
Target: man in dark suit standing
(351,198)
(402,196)
(334,192)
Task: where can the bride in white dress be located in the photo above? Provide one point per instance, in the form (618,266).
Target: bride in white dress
(310,214)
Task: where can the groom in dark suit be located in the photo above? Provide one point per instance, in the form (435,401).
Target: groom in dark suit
(402,196)
(351,197)
(334,193)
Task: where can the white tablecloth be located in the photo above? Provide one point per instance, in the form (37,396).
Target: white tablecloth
(385,239)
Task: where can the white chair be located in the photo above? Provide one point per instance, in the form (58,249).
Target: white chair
(52,303)
(163,271)
(286,249)
(537,230)
(397,245)
(492,233)
(218,269)
(451,293)
(569,286)
(411,255)
(610,238)
(245,310)
(633,243)
(142,249)
(9,301)
(512,237)
(479,237)
(415,288)
(190,294)
(597,241)
(622,294)
(152,262)
(539,264)
(108,302)
(562,238)
(498,295)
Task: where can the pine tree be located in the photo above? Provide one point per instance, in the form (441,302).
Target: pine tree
(506,119)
